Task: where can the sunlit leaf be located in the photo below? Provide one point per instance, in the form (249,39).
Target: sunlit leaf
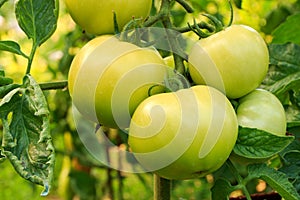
(288,31)
(275,18)
(38,19)
(12,47)
(258,144)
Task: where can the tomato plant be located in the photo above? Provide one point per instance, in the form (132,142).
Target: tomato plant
(232,91)
(96,17)
(234,60)
(180,134)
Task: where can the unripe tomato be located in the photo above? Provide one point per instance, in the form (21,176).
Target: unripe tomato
(96,16)
(234,60)
(108,78)
(185,134)
(262,110)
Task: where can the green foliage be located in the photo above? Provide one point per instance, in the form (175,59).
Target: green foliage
(283,78)
(291,163)
(258,144)
(221,189)
(37,19)
(275,18)
(276,179)
(2,2)
(26,140)
(12,47)
(288,31)
(26,135)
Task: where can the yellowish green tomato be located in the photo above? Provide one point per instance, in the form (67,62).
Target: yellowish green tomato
(96,16)
(108,78)
(185,134)
(234,60)
(262,110)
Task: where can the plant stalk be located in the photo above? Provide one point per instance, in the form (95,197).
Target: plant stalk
(238,178)
(54,85)
(162,188)
(30,58)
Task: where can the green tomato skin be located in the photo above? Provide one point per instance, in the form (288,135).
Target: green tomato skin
(262,110)
(96,16)
(234,61)
(108,78)
(185,134)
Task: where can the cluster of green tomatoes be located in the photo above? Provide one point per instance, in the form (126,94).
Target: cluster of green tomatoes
(180,134)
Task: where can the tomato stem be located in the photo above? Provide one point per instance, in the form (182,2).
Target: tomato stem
(231,13)
(185,5)
(202,25)
(162,188)
(30,58)
(54,85)
(239,179)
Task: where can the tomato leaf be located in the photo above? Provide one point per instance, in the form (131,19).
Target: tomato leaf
(291,163)
(258,144)
(276,179)
(38,19)
(293,116)
(283,78)
(6,89)
(12,47)
(275,18)
(288,31)
(26,135)
(2,2)
(284,73)
(221,189)
(2,157)
(238,3)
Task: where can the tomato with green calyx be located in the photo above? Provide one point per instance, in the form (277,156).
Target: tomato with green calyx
(185,134)
(108,78)
(96,16)
(262,110)
(234,60)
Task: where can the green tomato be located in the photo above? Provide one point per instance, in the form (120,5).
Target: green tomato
(262,110)
(185,134)
(108,78)
(96,16)
(234,60)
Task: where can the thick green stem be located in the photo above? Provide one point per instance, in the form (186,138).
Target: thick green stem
(54,85)
(239,179)
(162,188)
